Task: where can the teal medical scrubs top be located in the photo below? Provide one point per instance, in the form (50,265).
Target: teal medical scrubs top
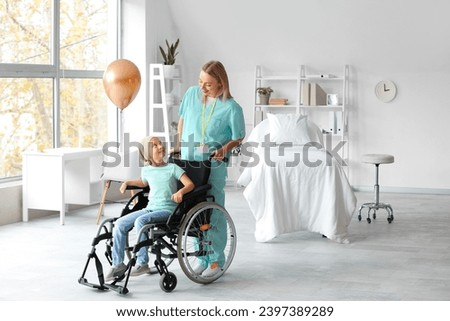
(226,124)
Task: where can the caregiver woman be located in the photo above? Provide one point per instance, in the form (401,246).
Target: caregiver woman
(211,123)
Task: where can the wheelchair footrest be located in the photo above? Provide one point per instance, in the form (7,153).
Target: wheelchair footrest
(117,288)
(85,282)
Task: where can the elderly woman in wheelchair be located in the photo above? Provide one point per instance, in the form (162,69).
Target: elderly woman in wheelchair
(171,220)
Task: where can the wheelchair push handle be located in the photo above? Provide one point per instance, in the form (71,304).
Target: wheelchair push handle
(211,157)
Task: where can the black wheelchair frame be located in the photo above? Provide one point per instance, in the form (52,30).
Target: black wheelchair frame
(185,236)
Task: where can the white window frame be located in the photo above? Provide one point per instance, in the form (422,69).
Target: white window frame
(53,71)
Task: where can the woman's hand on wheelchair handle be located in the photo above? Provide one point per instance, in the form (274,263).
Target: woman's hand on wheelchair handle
(123,187)
(218,155)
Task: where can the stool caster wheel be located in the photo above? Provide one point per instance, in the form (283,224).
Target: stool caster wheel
(359,217)
(374,216)
(390,219)
(369,220)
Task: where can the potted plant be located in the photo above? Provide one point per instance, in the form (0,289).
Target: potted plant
(264,94)
(169,57)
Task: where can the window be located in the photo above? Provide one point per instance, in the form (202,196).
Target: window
(83,113)
(52,57)
(25,120)
(83,34)
(26,31)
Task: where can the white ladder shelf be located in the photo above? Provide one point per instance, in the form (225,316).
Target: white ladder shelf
(158,102)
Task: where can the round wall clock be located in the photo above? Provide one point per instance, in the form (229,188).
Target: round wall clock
(385,91)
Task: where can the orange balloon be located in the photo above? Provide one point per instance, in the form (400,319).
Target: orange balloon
(122,81)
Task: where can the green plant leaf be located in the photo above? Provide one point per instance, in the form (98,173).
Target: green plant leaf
(169,56)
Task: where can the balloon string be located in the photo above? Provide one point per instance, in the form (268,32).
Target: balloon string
(122,121)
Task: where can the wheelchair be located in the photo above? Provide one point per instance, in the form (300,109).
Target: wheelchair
(197,228)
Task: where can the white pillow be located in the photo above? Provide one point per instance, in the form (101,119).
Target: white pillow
(263,128)
(257,134)
(288,128)
(315,133)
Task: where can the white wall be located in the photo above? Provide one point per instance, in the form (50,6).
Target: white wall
(404,41)
(146,23)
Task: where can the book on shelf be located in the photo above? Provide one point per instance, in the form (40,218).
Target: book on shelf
(278,101)
(335,123)
(305,94)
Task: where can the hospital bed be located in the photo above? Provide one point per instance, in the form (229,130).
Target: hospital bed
(292,183)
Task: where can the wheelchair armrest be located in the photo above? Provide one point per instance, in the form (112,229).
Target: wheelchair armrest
(132,187)
(197,191)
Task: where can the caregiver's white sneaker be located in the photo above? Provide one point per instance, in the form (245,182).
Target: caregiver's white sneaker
(199,269)
(212,270)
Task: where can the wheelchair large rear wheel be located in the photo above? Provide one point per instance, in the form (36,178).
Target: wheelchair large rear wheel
(207,236)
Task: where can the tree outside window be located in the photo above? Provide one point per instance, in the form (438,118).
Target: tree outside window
(28,73)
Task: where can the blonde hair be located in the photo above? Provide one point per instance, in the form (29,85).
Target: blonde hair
(146,150)
(216,70)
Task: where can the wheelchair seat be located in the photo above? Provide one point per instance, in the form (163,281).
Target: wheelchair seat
(197,229)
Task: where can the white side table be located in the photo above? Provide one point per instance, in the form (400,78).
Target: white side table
(61,176)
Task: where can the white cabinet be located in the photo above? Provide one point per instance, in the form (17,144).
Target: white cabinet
(61,176)
(322,95)
(165,97)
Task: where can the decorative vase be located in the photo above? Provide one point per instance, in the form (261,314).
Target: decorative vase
(170,71)
(264,99)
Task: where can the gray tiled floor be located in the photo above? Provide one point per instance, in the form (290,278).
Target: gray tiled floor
(406,260)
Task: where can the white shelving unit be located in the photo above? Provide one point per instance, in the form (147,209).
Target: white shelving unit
(265,79)
(332,119)
(165,97)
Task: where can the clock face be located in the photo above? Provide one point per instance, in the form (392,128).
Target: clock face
(385,91)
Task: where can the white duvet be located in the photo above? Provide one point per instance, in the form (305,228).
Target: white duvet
(308,196)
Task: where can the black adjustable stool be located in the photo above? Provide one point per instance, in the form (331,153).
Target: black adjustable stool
(377,159)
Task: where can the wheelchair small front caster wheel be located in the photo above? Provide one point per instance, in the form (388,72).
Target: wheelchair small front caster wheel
(374,216)
(168,282)
(359,217)
(369,220)
(390,219)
